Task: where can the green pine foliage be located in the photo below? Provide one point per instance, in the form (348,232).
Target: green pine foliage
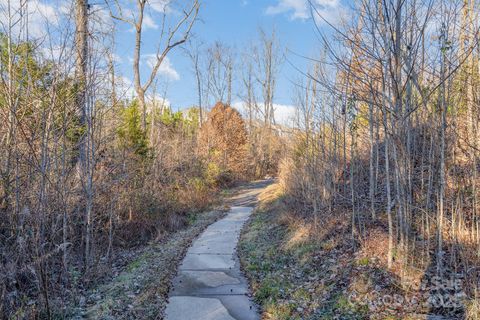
(132,136)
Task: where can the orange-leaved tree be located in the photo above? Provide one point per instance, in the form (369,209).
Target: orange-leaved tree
(224,142)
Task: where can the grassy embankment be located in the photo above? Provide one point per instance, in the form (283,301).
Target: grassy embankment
(297,272)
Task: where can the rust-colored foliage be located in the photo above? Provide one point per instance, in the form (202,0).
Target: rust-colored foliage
(223,140)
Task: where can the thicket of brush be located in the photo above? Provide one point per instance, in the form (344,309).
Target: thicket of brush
(388,131)
(61,223)
(85,170)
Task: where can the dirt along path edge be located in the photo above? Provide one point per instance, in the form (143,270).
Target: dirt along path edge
(141,289)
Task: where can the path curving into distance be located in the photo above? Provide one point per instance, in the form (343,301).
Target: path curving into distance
(209,284)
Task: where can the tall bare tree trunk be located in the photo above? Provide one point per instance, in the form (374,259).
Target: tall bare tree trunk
(443,124)
(81,48)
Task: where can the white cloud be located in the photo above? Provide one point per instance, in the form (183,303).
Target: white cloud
(100,19)
(38,12)
(162,6)
(66,7)
(159,100)
(329,10)
(132,14)
(56,52)
(125,87)
(284,114)
(149,23)
(299,8)
(126,90)
(166,68)
(117,58)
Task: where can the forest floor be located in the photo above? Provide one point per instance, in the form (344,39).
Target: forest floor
(139,285)
(298,273)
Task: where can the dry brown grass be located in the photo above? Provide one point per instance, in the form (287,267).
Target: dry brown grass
(412,268)
(473,307)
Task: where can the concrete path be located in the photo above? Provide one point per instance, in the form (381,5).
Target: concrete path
(209,284)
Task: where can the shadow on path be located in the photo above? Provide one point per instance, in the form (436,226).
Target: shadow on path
(247,196)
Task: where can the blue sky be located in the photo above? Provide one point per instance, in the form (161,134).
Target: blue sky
(234,23)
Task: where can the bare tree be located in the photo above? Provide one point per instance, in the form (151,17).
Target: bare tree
(194,53)
(268,58)
(171,36)
(220,62)
(81,72)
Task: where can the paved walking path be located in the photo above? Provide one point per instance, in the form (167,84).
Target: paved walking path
(209,284)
